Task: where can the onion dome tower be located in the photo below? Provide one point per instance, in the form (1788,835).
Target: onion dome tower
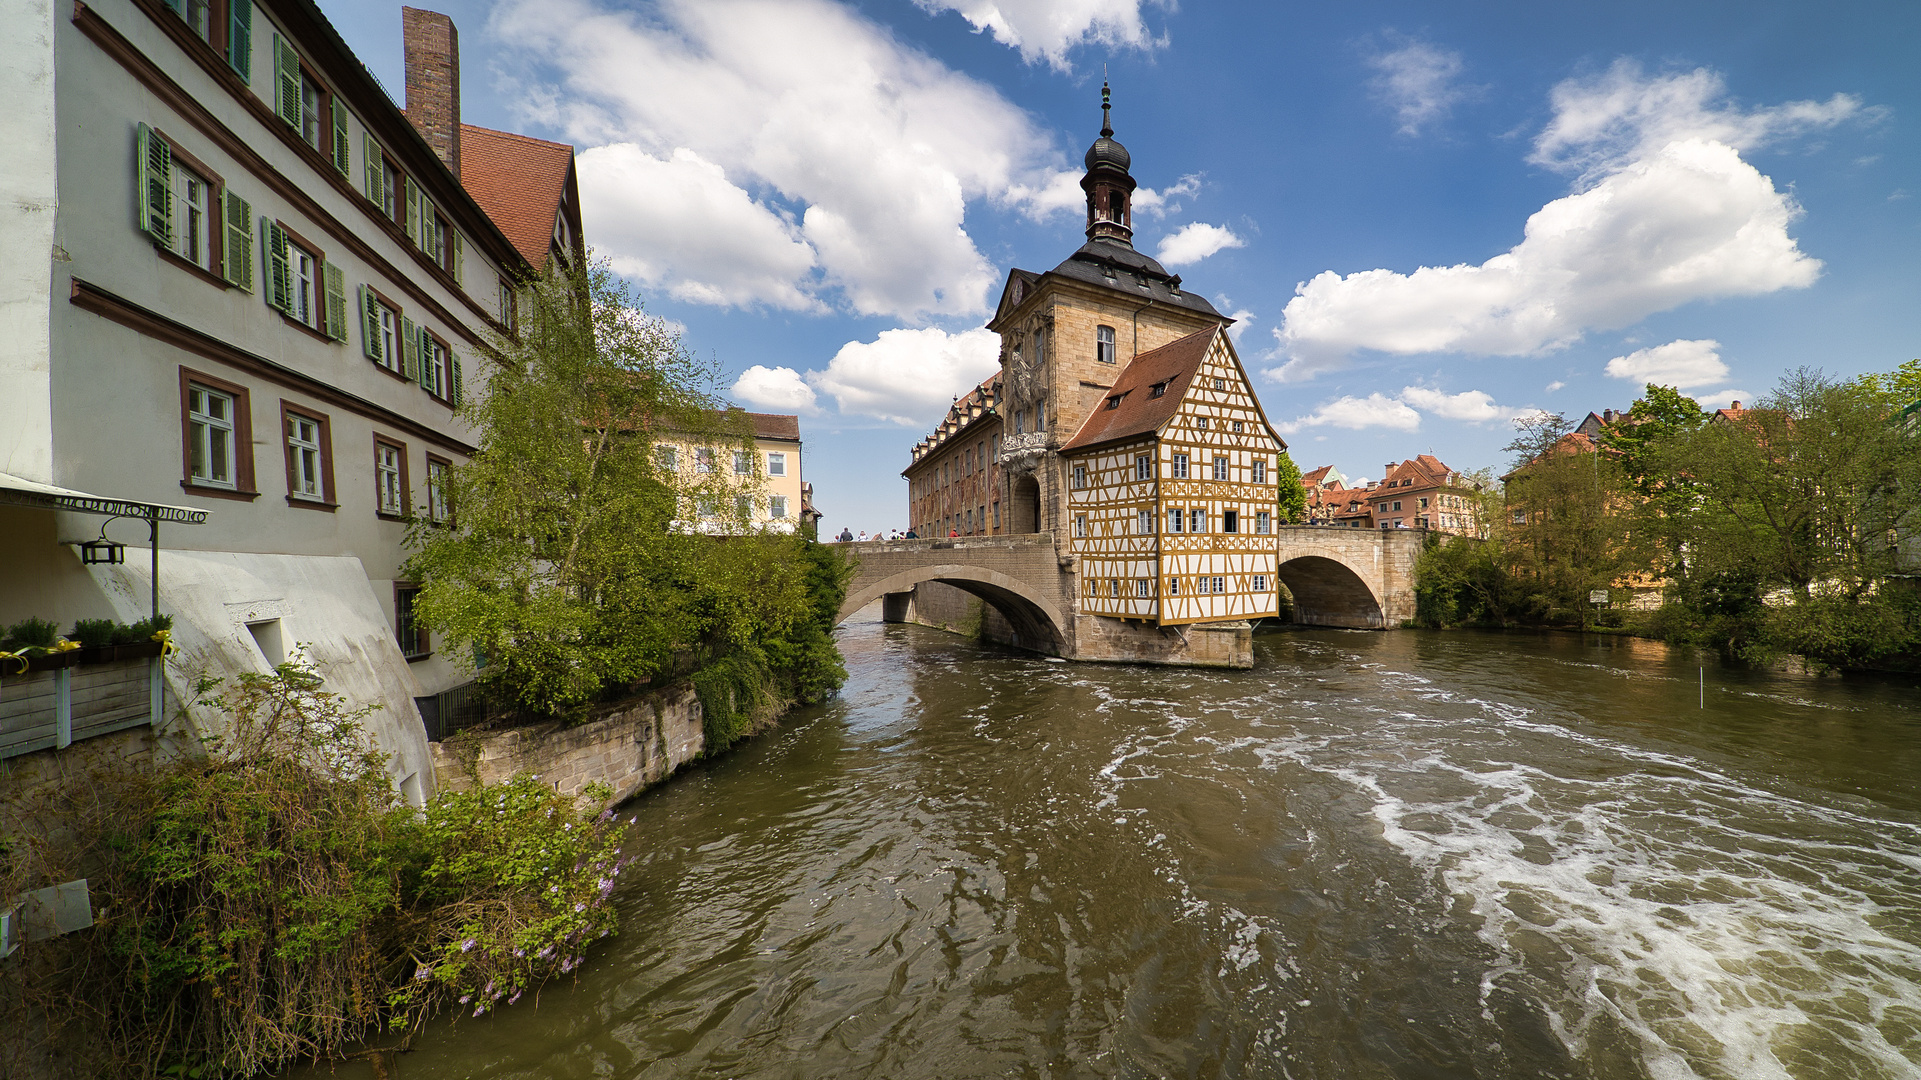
(1109,187)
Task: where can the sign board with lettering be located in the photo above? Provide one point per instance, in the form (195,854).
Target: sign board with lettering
(1598,596)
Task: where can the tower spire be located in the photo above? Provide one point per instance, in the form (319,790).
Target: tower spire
(1107,119)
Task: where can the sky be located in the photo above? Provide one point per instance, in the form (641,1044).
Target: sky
(1428,219)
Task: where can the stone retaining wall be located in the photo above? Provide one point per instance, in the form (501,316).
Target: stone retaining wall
(633,748)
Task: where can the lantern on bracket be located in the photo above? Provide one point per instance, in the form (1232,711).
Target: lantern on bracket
(103,550)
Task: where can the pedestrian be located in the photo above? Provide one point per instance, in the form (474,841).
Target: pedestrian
(911,534)
(846,535)
(863,536)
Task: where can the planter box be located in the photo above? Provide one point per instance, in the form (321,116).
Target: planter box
(45,662)
(107,654)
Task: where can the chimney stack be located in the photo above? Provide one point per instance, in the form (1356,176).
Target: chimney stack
(433,81)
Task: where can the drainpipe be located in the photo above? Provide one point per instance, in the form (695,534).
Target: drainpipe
(1137,325)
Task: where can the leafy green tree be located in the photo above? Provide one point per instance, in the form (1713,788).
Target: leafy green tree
(1292,508)
(1567,532)
(578,562)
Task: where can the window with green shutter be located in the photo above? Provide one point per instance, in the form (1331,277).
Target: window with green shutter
(336,289)
(343,150)
(454,236)
(412,224)
(409,349)
(237,259)
(370,334)
(286,70)
(240,38)
(376,170)
(453,363)
(153,171)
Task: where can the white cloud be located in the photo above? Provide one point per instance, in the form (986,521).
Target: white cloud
(1158,204)
(1667,213)
(1679,364)
(1420,82)
(1194,242)
(1372,411)
(1722,399)
(1047,29)
(780,389)
(1472,406)
(803,103)
(1555,385)
(1055,193)
(678,224)
(907,377)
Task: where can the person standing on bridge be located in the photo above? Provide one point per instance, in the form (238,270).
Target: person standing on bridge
(846,535)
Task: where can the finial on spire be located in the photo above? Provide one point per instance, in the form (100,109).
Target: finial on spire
(1107,120)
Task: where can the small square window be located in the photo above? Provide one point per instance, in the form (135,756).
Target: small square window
(777,507)
(776,464)
(1260,470)
(743,463)
(704,460)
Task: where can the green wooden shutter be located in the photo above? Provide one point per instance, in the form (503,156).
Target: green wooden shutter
(454,234)
(336,301)
(413,211)
(376,176)
(153,172)
(236,259)
(424,368)
(279,283)
(240,38)
(409,349)
(453,364)
(178,7)
(370,324)
(286,69)
(343,149)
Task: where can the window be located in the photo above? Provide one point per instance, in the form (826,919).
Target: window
(393,185)
(743,463)
(997,515)
(1173,586)
(777,507)
(744,507)
(1197,520)
(1423,505)
(1201,422)
(666,459)
(310,470)
(1040,347)
(1080,476)
(1174,518)
(379,330)
(1261,521)
(776,464)
(303,266)
(1143,588)
(436,366)
(310,124)
(1383,508)
(1159,389)
(1144,522)
(1080,525)
(1114,587)
(1220,468)
(1115,401)
(1260,470)
(1260,582)
(1230,521)
(1220,384)
(1237,427)
(1519,517)
(1397,504)
(1143,467)
(507,304)
(408,633)
(440,474)
(190,217)
(210,420)
(1104,350)
(1040,415)
(1178,469)
(703,460)
(390,478)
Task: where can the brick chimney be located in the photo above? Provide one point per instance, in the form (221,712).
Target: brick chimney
(433,81)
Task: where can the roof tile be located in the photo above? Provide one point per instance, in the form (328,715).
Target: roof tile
(1139,413)
(519,181)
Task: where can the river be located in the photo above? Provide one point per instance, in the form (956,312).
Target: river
(1406,854)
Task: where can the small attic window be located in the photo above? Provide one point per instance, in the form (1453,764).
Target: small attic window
(1157,390)
(1115,401)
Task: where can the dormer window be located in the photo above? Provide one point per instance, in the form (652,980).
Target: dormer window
(1115,401)
(1159,389)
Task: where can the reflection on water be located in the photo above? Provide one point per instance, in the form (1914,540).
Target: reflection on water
(1374,855)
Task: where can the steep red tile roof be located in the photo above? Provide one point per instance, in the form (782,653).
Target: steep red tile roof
(772,425)
(1315,478)
(519,181)
(1139,413)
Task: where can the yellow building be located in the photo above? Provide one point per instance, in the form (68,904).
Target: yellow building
(1171,492)
(747,479)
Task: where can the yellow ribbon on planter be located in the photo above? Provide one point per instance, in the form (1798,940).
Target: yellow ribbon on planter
(28,652)
(17,656)
(167,647)
(63,645)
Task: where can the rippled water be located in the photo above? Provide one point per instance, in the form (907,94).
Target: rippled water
(1375,855)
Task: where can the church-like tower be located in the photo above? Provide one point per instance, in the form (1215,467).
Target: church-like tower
(1066,334)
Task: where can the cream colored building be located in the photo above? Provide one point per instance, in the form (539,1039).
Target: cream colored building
(241,282)
(753,484)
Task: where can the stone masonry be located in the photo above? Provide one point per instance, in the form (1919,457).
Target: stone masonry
(433,81)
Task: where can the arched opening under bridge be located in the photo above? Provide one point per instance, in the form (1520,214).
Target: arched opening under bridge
(1035,622)
(1327,593)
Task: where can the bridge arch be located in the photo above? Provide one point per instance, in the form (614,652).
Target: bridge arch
(1327,592)
(1037,624)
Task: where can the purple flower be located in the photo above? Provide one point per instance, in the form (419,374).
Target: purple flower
(578,908)
(478,1009)
(467,945)
(465,998)
(423,971)
(515,998)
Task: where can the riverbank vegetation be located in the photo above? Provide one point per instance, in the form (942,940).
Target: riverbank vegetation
(1786,528)
(604,539)
(271,900)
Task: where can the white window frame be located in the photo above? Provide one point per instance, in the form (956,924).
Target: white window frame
(1144,521)
(1080,526)
(440,379)
(1106,350)
(1177,469)
(210,430)
(389,321)
(1080,476)
(1260,470)
(743,463)
(303,269)
(387,487)
(777,507)
(776,463)
(192,240)
(1220,468)
(303,440)
(704,460)
(438,475)
(1197,519)
(1143,467)
(1262,521)
(1175,517)
(666,458)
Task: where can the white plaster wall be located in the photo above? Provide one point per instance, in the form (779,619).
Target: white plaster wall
(28,204)
(322,602)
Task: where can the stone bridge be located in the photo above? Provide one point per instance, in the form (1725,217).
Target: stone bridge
(1027,588)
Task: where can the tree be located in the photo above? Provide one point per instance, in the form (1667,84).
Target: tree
(1567,533)
(570,565)
(1292,508)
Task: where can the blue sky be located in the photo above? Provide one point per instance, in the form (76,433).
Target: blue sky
(1430,217)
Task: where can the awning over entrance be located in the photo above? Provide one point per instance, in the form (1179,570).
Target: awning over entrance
(15,491)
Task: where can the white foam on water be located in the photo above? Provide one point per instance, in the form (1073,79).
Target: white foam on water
(1730,931)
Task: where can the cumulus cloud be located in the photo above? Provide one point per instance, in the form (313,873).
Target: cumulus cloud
(1047,29)
(745,108)
(780,389)
(1420,82)
(1721,399)
(1666,213)
(1555,385)
(1679,364)
(1194,242)
(907,377)
(1050,194)
(1357,413)
(1472,406)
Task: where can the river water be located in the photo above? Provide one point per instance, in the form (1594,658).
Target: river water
(1404,854)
